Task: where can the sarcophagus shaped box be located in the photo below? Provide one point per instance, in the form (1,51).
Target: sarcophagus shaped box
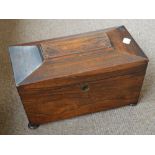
(75,75)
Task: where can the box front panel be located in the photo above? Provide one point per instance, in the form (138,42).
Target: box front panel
(48,104)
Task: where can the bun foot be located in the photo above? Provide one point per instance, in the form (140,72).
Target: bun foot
(33,126)
(133,104)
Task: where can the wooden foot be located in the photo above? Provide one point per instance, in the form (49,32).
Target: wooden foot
(133,104)
(33,126)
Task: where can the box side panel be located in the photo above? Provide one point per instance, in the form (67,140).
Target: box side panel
(49,104)
(25,60)
(132,47)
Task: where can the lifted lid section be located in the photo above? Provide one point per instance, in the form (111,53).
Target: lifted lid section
(82,56)
(25,60)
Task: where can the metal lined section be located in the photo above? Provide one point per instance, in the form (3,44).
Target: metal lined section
(25,60)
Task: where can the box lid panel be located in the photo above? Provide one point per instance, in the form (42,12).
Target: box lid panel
(95,52)
(75,44)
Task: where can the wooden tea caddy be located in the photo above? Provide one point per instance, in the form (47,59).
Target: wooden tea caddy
(75,75)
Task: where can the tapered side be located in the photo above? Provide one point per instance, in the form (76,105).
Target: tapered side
(25,60)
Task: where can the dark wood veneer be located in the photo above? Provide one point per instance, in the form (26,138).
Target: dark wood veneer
(112,70)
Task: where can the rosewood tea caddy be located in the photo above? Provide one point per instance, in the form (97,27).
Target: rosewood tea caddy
(69,76)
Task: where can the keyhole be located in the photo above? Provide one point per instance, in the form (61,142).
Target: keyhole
(85,87)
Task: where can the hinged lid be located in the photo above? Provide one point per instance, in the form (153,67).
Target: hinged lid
(71,57)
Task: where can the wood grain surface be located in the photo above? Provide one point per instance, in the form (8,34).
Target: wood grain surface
(111,70)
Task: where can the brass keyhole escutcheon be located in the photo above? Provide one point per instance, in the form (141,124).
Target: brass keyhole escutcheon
(85,87)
